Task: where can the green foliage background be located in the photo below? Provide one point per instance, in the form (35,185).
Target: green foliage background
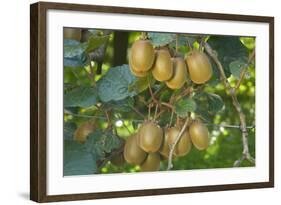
(116,92)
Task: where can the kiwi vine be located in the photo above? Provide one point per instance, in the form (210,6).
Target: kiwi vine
(157,93)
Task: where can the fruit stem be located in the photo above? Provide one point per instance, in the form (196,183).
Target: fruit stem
(173,146)
(143,35)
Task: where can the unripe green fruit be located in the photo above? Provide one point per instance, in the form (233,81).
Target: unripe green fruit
(139,74)
(150,137)
(133,154)
(151,163)
(162,68)
(199,67)
(82,132)
(118,159)
(72,33)
(184,144)
(199,135)
(179,74)
(142,55)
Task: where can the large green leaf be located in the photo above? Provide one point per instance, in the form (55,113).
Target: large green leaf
(74,53)
(161,39)
(114,85)
(81,97)
(101,143)
(141,84)
(229,49)
(215,102)
(208,105)
(124,105)
(77,160)
(72,48)
(68,130)
(236,67)
(185,105)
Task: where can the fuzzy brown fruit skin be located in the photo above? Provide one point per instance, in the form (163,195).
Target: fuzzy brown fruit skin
(150,137)
(118,159)
(162,69)
(199,135)
(72,33)
(136,73)
(151,163)
(142,55)
(179,74)
(183,146)
(199,67)
(82,132)
(133,154)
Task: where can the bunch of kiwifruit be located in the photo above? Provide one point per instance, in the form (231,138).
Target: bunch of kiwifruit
(144,58)
(151,143)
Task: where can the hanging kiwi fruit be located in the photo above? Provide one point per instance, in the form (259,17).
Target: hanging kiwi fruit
(179,74)
(199,67)
(162,69)
(142,55)
(150,137)
(84,129)
(133,154)
(199,135)
(151,163)
(183,146)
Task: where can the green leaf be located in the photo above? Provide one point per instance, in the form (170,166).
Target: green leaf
(121,105)
(208,104)
(77,160)
(141,84)
(229,49)
(114,85)
(101,143)
(68,130)
(74,53)
(215,102)
(161,39)
(81,97)
(72,48)
(185,105)
(236,67)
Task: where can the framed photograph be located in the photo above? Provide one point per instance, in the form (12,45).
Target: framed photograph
(134,102)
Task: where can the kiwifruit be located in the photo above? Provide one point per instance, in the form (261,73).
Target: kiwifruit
(150,136)
(82,132)
(133,154)
(184,144)
(199,135)
(199,67)
(162,68)
(151,163)
(165,149)
(179,74)
(139,74)
(142,55)
(72,33)
(118,159)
